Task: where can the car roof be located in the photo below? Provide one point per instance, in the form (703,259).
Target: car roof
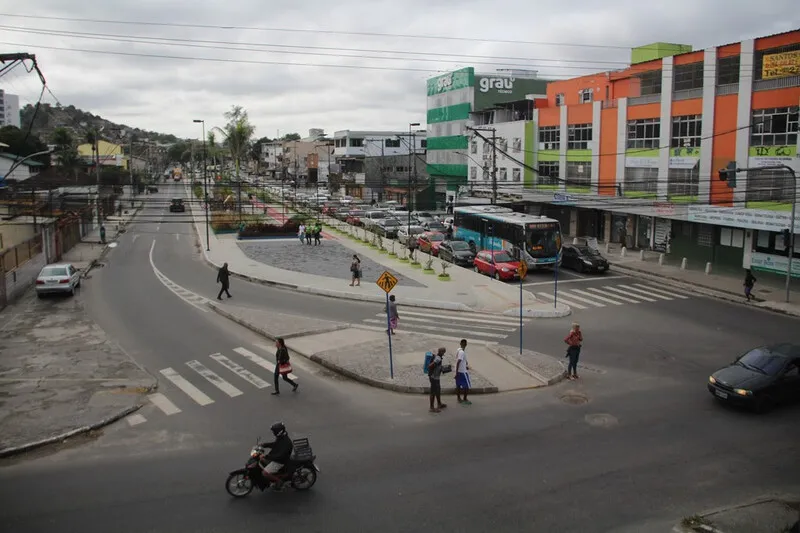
(785,349)
(57,265)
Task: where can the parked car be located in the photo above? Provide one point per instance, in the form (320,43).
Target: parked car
(497,263)
(371,217)
(435,226)
(354,217)
(583,259)
(457,252)
(405,231)
(430,241)
(761,378)
(58,278)
(423,217)
(342,213)
(152,189)
(176,206)
(386,227)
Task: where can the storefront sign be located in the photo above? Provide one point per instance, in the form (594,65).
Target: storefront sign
(780,65)
(741,218)
(766,156)
(678,158)
(493,90)
(559,198)
(774,263)
(451,81)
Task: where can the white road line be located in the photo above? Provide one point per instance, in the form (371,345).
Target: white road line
(642,291)
(193,392)
(177,236)
(441,328)
(428,321)
(479,319)
(623,298)
(601,298)
(550,297)
(214,378)
(163,403)
(175,288)
(136,419)
(645,298)
(452,338)
(240,371)
(260,361)
(582,299)
(662,291)
(582,280)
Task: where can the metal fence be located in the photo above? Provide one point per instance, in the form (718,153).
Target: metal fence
(15,257)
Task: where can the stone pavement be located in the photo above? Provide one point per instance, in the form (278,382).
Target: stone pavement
(60,375)
(770,514)
(363,354)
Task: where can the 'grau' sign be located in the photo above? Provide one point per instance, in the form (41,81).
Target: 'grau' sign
(781,65)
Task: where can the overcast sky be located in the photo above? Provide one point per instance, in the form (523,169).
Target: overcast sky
(164,94)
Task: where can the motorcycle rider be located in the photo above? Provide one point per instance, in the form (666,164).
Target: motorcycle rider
(280,453)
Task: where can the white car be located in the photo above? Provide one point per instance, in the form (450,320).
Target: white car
(58,278)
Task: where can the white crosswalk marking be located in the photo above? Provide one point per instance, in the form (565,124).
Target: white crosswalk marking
(136,419)
(647,292)
(439,328)
(214,378)
(478,319)
(645,298)
(616,296)
(662,291)
(163,403)
(582,299)
(570,303)
(240,371)
(406,318)
(193,392)
(260,361)
(597,297)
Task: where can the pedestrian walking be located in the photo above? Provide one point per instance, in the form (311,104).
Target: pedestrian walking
(317,234)
(355,271)
(435,377)
(301,232)
(224,278)
(463,383)
(309,231)
(574,342)
(749,282)
(394,316)
(282,366)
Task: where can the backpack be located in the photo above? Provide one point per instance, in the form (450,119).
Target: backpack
(428,359)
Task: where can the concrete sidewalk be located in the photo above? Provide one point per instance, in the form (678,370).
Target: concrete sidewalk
(464,290)
(363,354)
(770,514)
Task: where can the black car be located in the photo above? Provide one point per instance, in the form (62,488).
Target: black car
(176,206)
(457,252)
(583,259)
(761,378)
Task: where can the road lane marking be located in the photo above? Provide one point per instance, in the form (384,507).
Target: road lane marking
(582,280)
(260,361)
(582,299)
(193,392)
(570,303)
(136,419)
(163,403)
(240,371)
(177,236)
(214,378)
(623,298)
(443,328)
(662,291)
(597,297)
(176,289)
(642,291)
(645,298)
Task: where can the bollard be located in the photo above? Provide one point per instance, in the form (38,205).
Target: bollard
(641,255)
(708,268)
(623,251)
(683,264)
(608,247)
(661,259)
(575,241)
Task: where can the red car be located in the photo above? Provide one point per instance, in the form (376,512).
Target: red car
(429,242)
(497,263)
(354,217)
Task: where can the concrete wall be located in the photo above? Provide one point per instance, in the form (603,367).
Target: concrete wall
(13,233)
(21,279)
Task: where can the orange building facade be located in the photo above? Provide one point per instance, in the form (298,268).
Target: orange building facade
(633,156)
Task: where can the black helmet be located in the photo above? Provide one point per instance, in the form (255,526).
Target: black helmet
(278,429)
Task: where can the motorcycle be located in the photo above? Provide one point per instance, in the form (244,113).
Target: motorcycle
(300,471)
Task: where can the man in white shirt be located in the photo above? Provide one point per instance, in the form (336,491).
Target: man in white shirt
(462,374)
(301,232)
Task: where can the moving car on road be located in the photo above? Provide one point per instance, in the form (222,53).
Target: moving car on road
(761,378)
(176,206)
(583,259)
(497,263)
(457,252)
(58,278)
(429,242)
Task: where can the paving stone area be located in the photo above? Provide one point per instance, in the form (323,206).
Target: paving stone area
(543,365)
(330,259)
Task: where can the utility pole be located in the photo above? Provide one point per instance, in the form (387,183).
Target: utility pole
(410,155)
(97,169)
(130,169)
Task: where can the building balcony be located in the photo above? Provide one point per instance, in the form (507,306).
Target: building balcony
(646,99)
(688,94)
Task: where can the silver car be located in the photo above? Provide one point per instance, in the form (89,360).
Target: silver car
(59,278)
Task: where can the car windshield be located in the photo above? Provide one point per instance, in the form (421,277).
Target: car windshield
(459,245)
(436,237)
(503,257)
(762,360)
(436,225)
(54,271)
(544,243)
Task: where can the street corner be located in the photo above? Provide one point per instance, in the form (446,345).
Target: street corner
(546,369)
(540,311)
(271,324)
(767,514)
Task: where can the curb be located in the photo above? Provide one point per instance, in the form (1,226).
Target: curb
(784,498)
(535,375)
(341,370)
(16,450)
(527,312)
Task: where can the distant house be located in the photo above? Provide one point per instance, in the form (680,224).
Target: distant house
(20,172)
(110,154)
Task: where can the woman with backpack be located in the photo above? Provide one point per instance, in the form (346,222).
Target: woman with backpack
(282,366)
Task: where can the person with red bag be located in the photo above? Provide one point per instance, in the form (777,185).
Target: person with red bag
(283,367)
(574,341)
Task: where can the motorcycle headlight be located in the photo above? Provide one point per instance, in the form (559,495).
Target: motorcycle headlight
(254,452)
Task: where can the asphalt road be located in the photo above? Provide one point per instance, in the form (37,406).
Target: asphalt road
(633,446)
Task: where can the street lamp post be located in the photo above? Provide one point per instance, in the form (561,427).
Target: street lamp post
(205,179)
(411,153)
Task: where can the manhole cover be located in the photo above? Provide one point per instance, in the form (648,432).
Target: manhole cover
(604,420)
(574,399)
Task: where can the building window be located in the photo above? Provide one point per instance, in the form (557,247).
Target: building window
(473,173)
(758,58)
(485,174)
(517,146)
(769,186)
(728,70)
(503,174)
(548,173)
(650,82)
(549,138)
(774,127)
(559,99)
(644,133)
(502,144)
(688,76)
(686,131)
(487,147)
(473,147)
(516,174)
(585,96)
(423,143)
(641,180)
(579,173)
(356,143)
(683,182)
(392,143)
(579,136)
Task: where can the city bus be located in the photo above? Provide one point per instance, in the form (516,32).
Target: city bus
(491,227)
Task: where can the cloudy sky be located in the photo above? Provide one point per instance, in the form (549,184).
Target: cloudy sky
(354,65)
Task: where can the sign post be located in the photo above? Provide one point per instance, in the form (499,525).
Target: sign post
(523,271)
(387,282)
(555,283)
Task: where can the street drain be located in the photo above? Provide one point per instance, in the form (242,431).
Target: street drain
(574,399)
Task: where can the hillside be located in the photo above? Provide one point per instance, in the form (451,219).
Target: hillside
(50,117)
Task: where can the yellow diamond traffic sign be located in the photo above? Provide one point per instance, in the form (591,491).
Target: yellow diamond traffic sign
(523,269)
(386,281)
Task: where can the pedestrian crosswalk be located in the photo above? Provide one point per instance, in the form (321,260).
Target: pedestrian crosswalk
(612,296)
(449,324)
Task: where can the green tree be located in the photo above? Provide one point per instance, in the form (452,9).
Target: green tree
(291,137)
(66,153)
(21,145)
(237,134)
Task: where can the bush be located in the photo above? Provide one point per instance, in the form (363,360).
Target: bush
(262,229)
(226,221)
(198,192)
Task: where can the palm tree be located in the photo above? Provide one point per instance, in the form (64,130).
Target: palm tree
(237,134)
(67,158)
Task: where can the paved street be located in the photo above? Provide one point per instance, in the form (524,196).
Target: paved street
(639,428)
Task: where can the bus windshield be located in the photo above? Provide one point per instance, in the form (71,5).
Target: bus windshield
(543,239)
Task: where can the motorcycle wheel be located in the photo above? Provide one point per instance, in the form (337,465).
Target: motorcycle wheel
(304,478)
(238,485)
